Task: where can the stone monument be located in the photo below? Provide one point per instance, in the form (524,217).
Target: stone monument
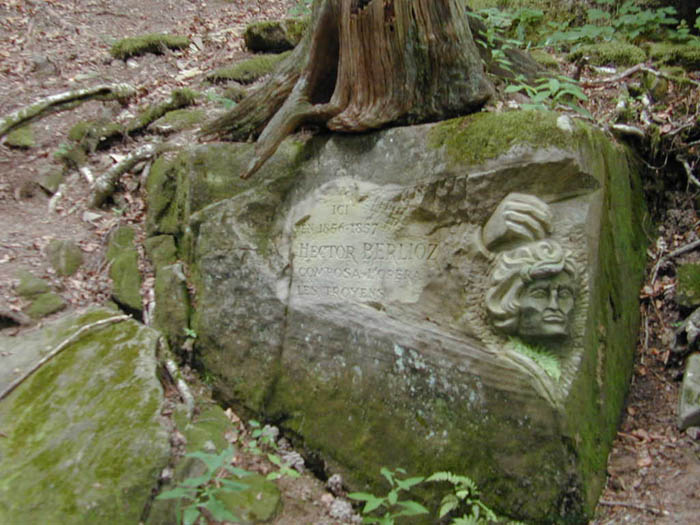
(459,296)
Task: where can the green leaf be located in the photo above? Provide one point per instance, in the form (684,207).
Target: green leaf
(412,508)
(233,485)
(176,493)
(190,515)
(449,503)
(196,482)
(238,472)
(372,505)
(393,497)
(407,483)
(362,496)
(275,459)
(387,474)
(219,511)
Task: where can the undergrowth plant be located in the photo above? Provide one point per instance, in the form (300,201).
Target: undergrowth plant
(201,493)
(461,505)
(551,91)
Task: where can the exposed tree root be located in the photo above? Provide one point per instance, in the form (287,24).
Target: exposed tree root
(62,102)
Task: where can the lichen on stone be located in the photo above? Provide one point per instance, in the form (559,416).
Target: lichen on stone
(21,138)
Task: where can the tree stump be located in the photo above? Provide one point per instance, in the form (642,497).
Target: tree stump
(366,64)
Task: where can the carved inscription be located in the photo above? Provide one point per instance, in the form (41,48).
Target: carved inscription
(349,249)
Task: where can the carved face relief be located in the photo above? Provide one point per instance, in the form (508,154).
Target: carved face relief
(546,307)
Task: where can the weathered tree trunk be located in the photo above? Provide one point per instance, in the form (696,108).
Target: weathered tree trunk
(366,64)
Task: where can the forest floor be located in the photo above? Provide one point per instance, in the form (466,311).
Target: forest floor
(52,46)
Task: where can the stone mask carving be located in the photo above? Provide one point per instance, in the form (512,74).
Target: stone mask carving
(532,292)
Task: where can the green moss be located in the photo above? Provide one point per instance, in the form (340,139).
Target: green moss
(45,304)
(22,138)
(235,93)
(545,59)
(120,240)
(97,403)
(161,250)
(179,98)
(609,53)
(151,43)
(248,71)
(50,179)
(684,55)
(92,135)
(126,279)
(546,360)
(30,285)
(171,315)
(274,35)
(178,120)
(688,285)
(487,135)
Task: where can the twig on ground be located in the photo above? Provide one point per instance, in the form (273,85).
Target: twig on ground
(58,349)
(638,506)
(675,253)
(689,172)
(629,72)
(181,386)
(61,102)
(106,184)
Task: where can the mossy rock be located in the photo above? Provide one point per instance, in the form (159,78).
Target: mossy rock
(45,304)
(50,178)
(259,503)
(92,135)
(545,59)
(83,439)
(172,310)
(610,54)
(30,286)
(151,43)
(235,92)
(178,120)
(688,285)
(21,138)
(684,55)
(275,35)
(126,279)
(248,71)
(161,250)
(65,257)
(120,240)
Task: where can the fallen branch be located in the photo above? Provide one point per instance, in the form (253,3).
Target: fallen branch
(638,506)
(61,102)
(689,172)
(181,386)
(629,72)
(675,253)
(62,346)
(106,184)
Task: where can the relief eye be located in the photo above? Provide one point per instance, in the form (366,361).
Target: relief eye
(538,293)
(565,293)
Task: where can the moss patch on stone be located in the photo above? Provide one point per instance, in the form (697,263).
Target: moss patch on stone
(21,138)
(545,59)
(161,250)
(92,135)
(124,269)
(171,315)
(45,304)
(30,286)
(688,285)
(275,35)
(50,179)
(179,98)
(248,71)
(151,43)
(483,136)
(83,440)
(610,54)
(684,55)
(178,120)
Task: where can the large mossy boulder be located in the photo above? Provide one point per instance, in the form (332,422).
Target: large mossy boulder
(82,437)
(380,296)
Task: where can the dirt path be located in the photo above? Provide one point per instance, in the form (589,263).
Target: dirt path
(50,46)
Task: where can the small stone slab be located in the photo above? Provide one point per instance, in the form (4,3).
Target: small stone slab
(689,402)
(65,257)
(30,285)
(45,304)
(21,138)
(688,285)
(274,36)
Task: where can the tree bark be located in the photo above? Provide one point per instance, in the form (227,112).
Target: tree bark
(366,64)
